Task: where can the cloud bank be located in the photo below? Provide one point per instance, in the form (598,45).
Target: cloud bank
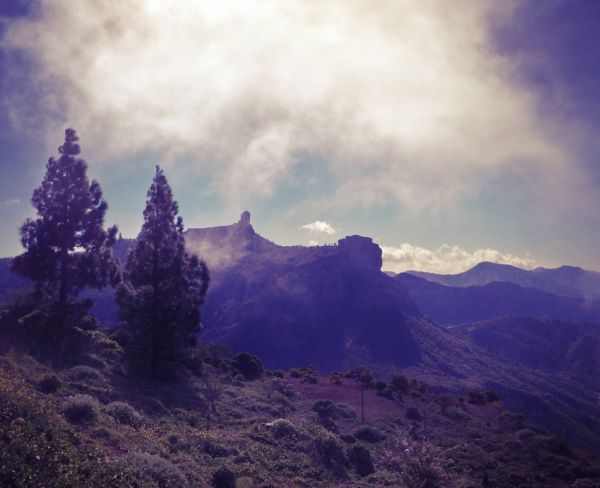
(319,227)
(406,104)
(446,259)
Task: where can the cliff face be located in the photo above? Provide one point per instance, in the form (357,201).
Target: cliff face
(225,246)
(361,251)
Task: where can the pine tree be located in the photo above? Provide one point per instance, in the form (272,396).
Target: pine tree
(67,247)
(162,290)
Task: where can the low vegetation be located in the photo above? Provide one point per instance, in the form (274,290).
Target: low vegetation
(148,434)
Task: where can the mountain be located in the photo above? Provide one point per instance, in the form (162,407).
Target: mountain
(333,306)
(566,280)
(449,305)
(295,305)
(551,345)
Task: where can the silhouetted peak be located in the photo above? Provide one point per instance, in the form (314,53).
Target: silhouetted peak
(244,218)
(361,251)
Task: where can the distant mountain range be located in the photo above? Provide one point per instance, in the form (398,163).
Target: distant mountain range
(448,305)
(332,306)
(566,280)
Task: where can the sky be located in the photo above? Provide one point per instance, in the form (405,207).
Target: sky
(449,132)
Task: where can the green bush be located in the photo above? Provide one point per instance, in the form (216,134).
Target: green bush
(156,470)
(400,383)
(476,397)
(49,384)
(81,409)
(369,434)
(386,392)
(213,449)
(360,458)
(366,377)
(124,414)
(296,373)
(223,478)
(282,428)
(412,413)
(491,396)
(331,453)
(325,409)
(85,373)
(247,365)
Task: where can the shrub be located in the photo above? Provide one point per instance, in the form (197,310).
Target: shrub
(360,458)
(559,446)
(216,450)
(81,409)
(49,384)
(366,377)
(309,378)
(324,408)
(282,428)
(296,373)
(348,438)
(345,411)
(400,382)
(248,365)
(335,378)
(412,413)
(158,470)
(491,396)
(88,322)
(351,374)
(419,464)
(512,421)
(278,373)
(369,434)
(386,392)
(331,453)
(223,478)
(85,373)
(124,414)
(476,397)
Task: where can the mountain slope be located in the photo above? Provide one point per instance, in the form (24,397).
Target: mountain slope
(551,345)
(449,305)
(332,306)
(566,280)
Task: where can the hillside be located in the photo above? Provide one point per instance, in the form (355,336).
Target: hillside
(565,280)
(551,345)
(448,305)
(93,426)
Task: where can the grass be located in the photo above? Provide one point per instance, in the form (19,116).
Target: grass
(160,434)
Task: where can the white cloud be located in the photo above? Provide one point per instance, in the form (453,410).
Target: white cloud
(319,227)
(406,103)
(446,259)
(12,201)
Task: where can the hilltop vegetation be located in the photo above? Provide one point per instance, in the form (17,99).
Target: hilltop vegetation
(95,426)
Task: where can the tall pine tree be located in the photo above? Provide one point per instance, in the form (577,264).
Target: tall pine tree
(162,290)
(66,246)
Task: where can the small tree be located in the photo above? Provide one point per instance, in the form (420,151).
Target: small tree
(67,247)
(163,288)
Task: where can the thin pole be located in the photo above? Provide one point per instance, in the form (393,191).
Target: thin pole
(362,403)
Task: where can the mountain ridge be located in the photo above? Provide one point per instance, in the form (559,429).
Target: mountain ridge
(564,280)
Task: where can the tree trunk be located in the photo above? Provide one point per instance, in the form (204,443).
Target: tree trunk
(60,327)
